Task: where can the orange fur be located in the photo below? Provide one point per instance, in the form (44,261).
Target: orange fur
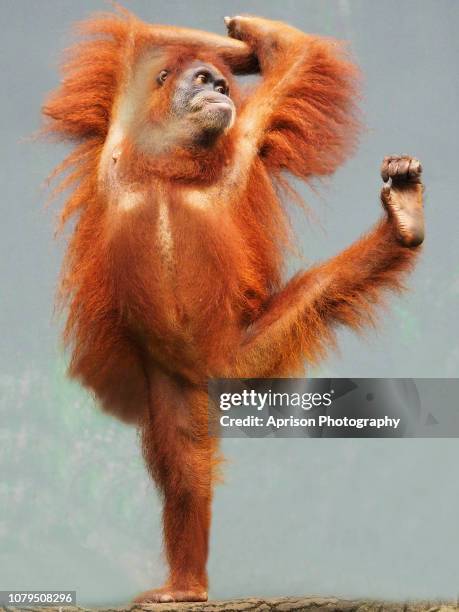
(173,273)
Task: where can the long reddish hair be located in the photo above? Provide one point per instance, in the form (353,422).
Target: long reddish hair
(324,133)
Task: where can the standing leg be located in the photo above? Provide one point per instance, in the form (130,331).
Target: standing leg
(180,457)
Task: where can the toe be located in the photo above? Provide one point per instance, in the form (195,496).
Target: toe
(165,598)
(393,167)
(385,169)
(415,168)
(400,168)
(403,166)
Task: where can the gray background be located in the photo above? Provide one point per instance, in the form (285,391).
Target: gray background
(346,517)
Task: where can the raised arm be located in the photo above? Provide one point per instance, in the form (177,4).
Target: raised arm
(237,54)
(302,116)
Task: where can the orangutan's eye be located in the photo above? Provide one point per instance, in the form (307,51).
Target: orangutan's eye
(202,78)
(162,76)
(221,89)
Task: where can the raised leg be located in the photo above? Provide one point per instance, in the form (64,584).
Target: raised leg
(180,457)
(298,323)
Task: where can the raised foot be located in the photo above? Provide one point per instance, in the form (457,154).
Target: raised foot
(168,593)
(401,196)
